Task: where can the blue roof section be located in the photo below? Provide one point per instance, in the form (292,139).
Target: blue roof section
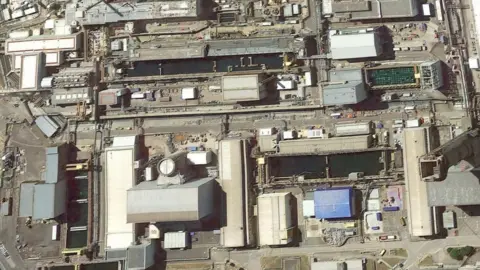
(51,165)
(333,203)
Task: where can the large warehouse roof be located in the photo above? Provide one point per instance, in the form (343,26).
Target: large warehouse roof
(363,10)
(232,180)
(43,43)
(301,146)
(242,88)
(333,203)
(344,94)
(119,177)
(419,213)
(274,218)
(149,202)
(352,46)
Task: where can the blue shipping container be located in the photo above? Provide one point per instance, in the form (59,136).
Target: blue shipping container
(375,228)
(192,148)
(379,216)
(391,208)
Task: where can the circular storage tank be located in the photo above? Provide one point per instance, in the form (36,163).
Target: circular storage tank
(168,166)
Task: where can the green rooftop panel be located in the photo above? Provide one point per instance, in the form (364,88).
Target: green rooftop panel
(392,76)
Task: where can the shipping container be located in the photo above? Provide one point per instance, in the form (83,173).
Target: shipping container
(438,10)
(138,95)
(396,49)
(392,237)
(296,9)
(6,14)
(391,208)
(426,10)
(285,85)
(375,228)
(199,157)
(293,22)
(315,133)
(416,48)
(20,34)
(353,129)
(350,224)
(289,134)
(266,23)
(189,93)
(55,232)
(266,131)
(350,233)
(379,216)
(18,14)
(412,123)
(149,174)
(308,78)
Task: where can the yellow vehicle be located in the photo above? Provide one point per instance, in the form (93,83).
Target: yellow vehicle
(402,221)
(350,224)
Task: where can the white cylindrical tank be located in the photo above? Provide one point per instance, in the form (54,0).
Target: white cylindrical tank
(168,165)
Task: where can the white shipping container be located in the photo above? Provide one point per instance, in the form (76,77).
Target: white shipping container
(293,22)
(55,232)
(285,85)
(296,9)
(46,82)
(189,93)
(30,11)
(412,123)
(438,7)
(138,95)
(20,34)
(315,133)
(6,14)
(289,134)
(266,131)
(308,78)
(266,24)
(18,14)
(426,10)
(148,174)
(200,157)
(473,63)
(353,129)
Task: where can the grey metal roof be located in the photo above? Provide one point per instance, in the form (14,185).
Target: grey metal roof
(378,9)
(26,200)
(459,188)
(352,46)
(346,74)
(344,94)
(46,125)
(49,200)
(115,254)
(51,165)
(187,202)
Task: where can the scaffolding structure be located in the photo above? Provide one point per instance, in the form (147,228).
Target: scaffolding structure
(392,78)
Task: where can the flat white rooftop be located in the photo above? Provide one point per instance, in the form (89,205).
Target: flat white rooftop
(119,177)
(43,43)
(29,71)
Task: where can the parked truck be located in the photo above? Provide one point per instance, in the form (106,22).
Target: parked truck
(351,129)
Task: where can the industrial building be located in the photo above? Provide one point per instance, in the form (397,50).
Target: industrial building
(47,125)
(461,187)
(48,199)
(150,202)
(32,70)
(99,13)
(420,216)
(334,203)
(431,75)
(373,10)
(135,257)
(337,144)
(44,43)
(238,88)
(355,45)
(120,176)
(233,179)
(346,87)
(275,226)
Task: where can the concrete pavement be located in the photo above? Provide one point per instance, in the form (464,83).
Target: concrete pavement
(250,259)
